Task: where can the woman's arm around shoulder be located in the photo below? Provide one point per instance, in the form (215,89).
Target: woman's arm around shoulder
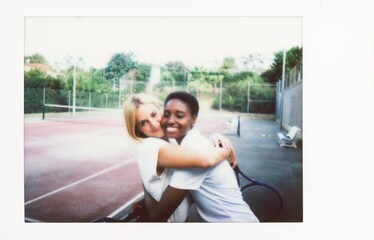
(174,156)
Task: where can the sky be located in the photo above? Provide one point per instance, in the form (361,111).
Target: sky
(196,41)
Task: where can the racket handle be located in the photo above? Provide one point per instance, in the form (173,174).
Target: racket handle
(130,216)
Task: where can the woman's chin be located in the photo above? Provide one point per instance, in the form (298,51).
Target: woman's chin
(172,135)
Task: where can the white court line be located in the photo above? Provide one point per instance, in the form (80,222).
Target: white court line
(80,181)
(27,219)
(126,204)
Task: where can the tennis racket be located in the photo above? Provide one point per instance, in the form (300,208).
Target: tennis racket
(264,200)
(133,216)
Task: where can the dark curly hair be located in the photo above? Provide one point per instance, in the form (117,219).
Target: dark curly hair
(187,98)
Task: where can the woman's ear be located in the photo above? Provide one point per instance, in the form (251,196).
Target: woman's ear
(194,118)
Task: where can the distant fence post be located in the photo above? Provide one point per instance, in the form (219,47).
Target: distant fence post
(89,101)
(106,100)
(220,95)
(43,107)
(282,89)
(248,96)
(69,101)
(238,130)
(43,96)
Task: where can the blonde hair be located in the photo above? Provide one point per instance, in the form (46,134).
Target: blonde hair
(129,110)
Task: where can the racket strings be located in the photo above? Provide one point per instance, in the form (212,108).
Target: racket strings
(263,201)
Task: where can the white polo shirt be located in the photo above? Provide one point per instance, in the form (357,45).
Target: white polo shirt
(215,190)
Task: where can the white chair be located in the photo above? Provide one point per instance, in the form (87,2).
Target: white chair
(232,125)
(289,140)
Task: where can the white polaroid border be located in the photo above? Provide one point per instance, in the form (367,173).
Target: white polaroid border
(338,116)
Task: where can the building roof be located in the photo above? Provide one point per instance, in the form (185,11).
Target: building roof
(42,67)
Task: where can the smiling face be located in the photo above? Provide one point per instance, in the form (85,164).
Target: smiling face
(177,119)
(148,120)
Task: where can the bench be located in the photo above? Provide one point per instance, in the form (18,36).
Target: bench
(289,139)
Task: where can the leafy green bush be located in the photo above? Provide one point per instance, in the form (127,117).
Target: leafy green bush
(33,100)
(235,97)
(34,83)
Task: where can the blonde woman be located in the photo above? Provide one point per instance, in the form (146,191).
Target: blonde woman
(157,157)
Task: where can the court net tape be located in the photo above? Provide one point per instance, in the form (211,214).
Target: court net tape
(83,115)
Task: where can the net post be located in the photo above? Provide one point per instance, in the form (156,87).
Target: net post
(238,130)
(43,108)
(43,112)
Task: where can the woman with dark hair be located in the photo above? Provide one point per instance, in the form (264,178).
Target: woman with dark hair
(215,190)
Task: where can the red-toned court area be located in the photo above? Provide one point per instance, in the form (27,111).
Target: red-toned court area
(80,171)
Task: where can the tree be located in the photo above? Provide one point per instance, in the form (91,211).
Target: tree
(227,69)
(119,65)
(38,79)
(140,75)
(142,72)
(87,81)
(215,80)
(166,77)
(34,82)
(199,80)
(98,82)
(176,66)
(244,75)
(36,58)
(254,62)
(234,97)
(228,65)
(293,57)
(178,71)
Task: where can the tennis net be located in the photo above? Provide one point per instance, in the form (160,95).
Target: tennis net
(83,115)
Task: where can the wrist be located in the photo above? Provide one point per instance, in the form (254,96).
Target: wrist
(229,154)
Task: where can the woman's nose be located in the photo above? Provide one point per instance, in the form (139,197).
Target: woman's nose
(154,122)
(170,119)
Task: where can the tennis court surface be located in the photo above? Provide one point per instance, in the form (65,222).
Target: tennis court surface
(80,169)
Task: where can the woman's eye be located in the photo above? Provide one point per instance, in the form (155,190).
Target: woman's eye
(141,124)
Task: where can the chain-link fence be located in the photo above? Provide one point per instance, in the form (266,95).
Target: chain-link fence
(245,97)
(33,100)
(238,96)
(290,99)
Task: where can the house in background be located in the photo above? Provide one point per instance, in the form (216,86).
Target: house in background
(42,67)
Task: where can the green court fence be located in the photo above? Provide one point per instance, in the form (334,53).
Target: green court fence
(235,96)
